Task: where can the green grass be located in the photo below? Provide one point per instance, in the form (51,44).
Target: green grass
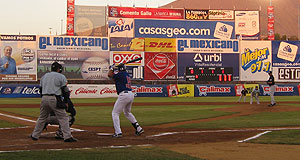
(133,153)
(146,115)
(280,137)
(151,99)
(264,119)
(5,124)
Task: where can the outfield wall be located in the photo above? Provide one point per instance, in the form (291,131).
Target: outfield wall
(173,90)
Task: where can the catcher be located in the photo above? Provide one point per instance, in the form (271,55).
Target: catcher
(255,93)
(52,119)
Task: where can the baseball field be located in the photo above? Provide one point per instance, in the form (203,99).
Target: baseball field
(175,128)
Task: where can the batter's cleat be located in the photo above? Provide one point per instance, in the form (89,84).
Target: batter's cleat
(72,139)
(117,135)
(138,133)
(35,139)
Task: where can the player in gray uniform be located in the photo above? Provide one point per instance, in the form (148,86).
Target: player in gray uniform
(51,84)
(271,83)
(243,95)
(255,93)
(124,101)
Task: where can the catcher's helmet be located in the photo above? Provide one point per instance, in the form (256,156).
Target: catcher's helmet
(121,67)
(56,66)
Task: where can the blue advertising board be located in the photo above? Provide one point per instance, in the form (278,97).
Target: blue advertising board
(214,90)
(149,28)
(286,53)
(19,91)
(280,90)
(208,60)
(150,90)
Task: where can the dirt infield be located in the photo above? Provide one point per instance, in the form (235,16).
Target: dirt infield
(195,142)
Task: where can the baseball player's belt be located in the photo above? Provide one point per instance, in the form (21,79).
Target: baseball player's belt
(48,94)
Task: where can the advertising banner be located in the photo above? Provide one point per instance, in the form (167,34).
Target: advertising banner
(221,14)
(239,87)
(255,60)
(70,17)
(214,90)
(19,91)
(184,29)
(196,14)
(271,21)
(247,25)
(103,91)
(286,61)
(160,45)
(127,44)
(208,60)
(120,27)
(135,72)
(152,13)
(180,90)
(118,57)
(18,60)
(81,57)
(281,90)
(207,45)
(160,66)
(90,21)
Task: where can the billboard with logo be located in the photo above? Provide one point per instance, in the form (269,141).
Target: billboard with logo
(256,59)
(70,17)
(286,60)
(207,45)
(214,90)
(19,91)
(281,90)
(196,14)
(18,60)
(180,90)
(160,45)
(136,69)
(160,66)
(248,87)
(120,27)
(90,21)
(149,28)
(152,13)
(81,57)
(247,24)
(221,14)
(208,60)
(126,44)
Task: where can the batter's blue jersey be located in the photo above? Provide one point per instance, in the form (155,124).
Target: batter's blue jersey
(122,81)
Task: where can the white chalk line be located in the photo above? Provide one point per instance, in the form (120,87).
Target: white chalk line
(32,121)
(227,130)
(254,137)
(85,148)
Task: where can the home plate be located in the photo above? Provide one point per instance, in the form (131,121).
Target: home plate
(104,134)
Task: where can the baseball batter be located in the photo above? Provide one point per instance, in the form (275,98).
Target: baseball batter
(124,101)
(255,94)
(271,83)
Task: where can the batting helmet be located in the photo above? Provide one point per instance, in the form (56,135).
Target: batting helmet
(121,67)
(55,66)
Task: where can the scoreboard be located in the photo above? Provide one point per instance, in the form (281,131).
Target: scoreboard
(221,74)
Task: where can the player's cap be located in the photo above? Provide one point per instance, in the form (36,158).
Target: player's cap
(56,66)
(270,71)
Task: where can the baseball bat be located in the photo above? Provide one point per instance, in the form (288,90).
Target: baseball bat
(134,60)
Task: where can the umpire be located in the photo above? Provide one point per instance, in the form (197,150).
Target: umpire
(51,84)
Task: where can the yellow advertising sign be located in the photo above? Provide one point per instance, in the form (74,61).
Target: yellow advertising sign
(250,88)
(160,44)
(181,90)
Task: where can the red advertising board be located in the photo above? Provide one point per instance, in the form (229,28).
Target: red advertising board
(160,66)
(271,21)
(70,17)
(154,13)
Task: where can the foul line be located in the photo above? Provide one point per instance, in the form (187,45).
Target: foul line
(256,136)
(29,120)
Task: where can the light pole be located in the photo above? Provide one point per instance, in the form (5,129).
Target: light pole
(50,30)
(61,26)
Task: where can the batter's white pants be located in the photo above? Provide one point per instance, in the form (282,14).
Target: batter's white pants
(272,91)
(123,103)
